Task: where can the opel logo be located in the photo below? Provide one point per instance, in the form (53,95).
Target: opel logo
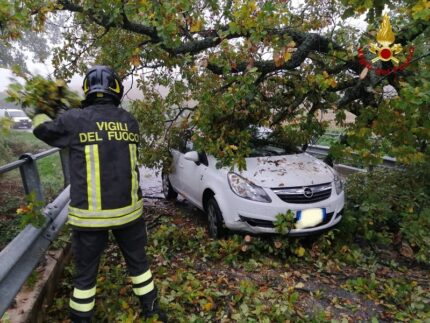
(307,192)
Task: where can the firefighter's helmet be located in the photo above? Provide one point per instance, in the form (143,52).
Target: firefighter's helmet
(101,80)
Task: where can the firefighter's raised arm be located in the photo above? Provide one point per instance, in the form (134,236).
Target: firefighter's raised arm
(53,132)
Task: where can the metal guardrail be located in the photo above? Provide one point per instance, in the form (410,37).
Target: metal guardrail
(322,151)
(318,151)
(23,253)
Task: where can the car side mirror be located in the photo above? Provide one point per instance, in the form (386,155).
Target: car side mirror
(193,156)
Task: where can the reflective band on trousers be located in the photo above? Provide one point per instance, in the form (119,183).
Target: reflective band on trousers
(84,293)
(93,177)
(106,213)
(134,177)
(141,278)
(99,222)
(144,290)
(82,307)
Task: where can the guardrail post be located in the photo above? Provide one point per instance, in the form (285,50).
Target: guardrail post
(30,177)
(64,156)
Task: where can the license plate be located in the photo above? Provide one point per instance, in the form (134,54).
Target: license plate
(309,218)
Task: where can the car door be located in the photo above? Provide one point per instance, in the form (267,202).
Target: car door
(174,175)
(191,175)
(177,167)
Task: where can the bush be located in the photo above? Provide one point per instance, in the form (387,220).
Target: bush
(390,206)
(416,230)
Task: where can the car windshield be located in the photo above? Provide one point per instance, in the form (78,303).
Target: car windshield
(261,150)
(18,113)
(263,144)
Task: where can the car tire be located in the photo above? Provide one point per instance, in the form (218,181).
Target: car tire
(216,225)
(168,191)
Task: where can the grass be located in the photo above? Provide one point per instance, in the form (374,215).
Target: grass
(20,142)
(51,175)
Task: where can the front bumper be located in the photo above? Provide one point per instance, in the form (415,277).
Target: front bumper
(258,218)
(22,125)
(264,226)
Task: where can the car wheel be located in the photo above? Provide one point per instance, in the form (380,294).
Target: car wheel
(168,191)
(215,220)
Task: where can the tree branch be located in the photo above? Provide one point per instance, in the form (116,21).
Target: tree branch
(308,43)
(289,110)
(212,39)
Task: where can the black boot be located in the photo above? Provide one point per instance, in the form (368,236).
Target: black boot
(79,319)
(150,309)
(154,313)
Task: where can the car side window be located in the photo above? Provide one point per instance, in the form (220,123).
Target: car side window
(182,146)
(182,142)
(185,144)
(203,158)
(189,146)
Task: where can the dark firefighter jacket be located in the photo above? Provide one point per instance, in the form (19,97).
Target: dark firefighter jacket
(104,176)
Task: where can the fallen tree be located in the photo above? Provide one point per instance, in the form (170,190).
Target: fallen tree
(231,64)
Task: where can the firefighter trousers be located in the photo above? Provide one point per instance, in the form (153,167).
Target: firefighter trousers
(87,248)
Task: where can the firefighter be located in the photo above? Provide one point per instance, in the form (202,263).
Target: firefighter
(105,194)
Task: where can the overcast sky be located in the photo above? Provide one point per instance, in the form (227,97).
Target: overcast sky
(37,68)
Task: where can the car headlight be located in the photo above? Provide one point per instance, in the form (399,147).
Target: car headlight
(338,184)
(247,190)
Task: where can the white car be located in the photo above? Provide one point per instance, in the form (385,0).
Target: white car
(18,117)
(274,182)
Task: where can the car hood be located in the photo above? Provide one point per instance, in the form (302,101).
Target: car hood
(287,171)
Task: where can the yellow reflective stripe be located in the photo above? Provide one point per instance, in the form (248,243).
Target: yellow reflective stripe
(93,177)
(106,213)
(89,178)
(40,118)
(134,177)
(81,293)
(144,290)
(117,88)
(141,278)
(104,222)
(82,307)
(97,178)
(86,88)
